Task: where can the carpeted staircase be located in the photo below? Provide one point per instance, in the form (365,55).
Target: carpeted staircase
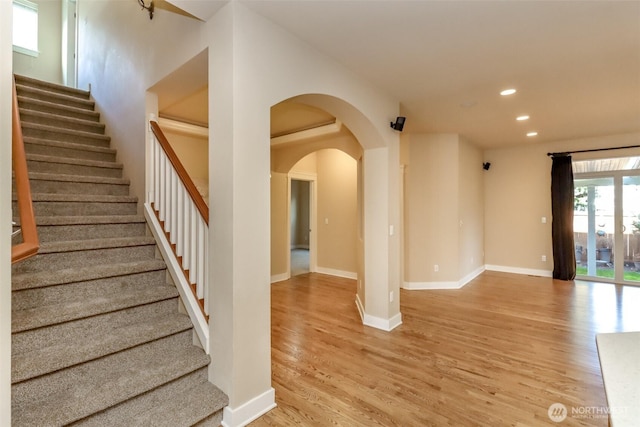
(97,335)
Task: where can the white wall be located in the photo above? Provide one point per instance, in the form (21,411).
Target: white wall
(518,195)
(121,54)
(337,203)
(48,64)
(6,15)
(444,209)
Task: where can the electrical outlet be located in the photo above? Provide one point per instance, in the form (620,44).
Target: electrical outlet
(436,268)
(391,296)
(544,258)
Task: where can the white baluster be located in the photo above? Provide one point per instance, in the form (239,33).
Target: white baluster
(205,283)
(186,256)
(156,175)
(201,237)
(174,199)
(179,240)
(193,267)
(163,181)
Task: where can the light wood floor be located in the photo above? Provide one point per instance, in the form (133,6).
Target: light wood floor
(498,352)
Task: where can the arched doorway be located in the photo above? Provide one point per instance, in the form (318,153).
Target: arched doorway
(309,145)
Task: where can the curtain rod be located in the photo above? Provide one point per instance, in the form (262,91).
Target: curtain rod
(565,153)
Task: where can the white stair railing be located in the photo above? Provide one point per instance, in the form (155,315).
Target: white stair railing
(179,219)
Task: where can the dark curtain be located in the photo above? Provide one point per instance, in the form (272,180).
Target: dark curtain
(564,254)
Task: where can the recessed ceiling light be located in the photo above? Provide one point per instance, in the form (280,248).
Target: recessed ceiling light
(522,118)
(508,92)
(532,134)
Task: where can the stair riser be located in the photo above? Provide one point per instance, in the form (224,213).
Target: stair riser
(65,187)
(37,297)
(60,233)
(81,208)
(59,110)
(97,141)
(58,261)
(73,153)
(84,104)
(71,169)
(28,116)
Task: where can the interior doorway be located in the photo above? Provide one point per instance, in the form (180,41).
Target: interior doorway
(302,220)
(69,42)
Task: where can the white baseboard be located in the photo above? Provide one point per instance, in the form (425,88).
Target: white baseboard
(517,270)
(249,411)
(378,322)
(339,273)
(416,286)
(279,277)
(424,286)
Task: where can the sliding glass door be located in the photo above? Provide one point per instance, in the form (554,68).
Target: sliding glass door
(607,219)
(594,227)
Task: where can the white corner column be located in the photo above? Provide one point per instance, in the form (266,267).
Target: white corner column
(382,229)
(239,224)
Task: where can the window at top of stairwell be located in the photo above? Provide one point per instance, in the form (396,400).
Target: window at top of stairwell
(25,27)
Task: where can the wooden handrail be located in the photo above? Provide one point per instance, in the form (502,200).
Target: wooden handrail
(30,244)
(181,171)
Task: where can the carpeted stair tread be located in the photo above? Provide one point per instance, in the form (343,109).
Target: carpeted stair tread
(58,255)
(29,341)
(72,275)
(49,204)
(176,409)
(55,133)
(73,161)
(30,82)
(52,96)
(52,143)
(77,392)
(37,296)
(24,320)
(83,227)
(79,345)
(89,220)
(59,121)
(183,402)
(42,176)
(92,244)
(83,198)
(62,110)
